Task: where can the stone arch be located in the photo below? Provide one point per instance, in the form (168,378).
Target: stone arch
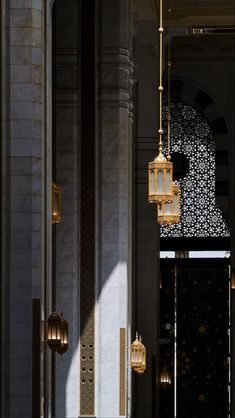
(194,95)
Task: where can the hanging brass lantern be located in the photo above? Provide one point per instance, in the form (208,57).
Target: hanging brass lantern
(160,180)
(54,331)
(165,377)
(138,356)
(56,204)
(169,213)
(160,171)
(64,336)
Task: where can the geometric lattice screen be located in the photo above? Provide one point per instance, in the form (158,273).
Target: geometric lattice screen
(193,140)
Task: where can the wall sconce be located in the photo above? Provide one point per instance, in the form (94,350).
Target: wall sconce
(165,378)
(56,204)
(57,333)
(169,213)
(233,279)
(138,356)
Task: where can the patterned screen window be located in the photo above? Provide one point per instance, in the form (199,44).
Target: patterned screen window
(193,149)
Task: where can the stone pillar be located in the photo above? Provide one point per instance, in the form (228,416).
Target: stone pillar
(66,159)
(146,231)
(114,209)
(23,72)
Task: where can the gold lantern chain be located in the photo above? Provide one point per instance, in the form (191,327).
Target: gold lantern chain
(169,86)
(161,30)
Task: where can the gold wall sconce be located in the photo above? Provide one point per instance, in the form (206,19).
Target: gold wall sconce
(232,279)
(56,204)
(57,333)
(165,378)
(138,355)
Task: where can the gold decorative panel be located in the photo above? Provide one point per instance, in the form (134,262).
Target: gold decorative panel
(87,366)
(122,375)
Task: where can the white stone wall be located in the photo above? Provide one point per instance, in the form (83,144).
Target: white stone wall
(66,141)
(23,70)
(28,243)
(114,203)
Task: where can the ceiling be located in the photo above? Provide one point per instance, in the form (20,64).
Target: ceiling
(196,13)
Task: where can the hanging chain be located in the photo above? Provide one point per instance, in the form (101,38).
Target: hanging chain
(169,87)
(161,30)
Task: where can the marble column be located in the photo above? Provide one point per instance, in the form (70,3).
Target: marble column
(66,160)
(22,143)
(114,219)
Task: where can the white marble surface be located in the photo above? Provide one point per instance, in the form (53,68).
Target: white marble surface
(113,201)
(24,115)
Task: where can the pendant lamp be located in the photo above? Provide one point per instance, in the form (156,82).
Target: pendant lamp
(169,212)
(160,170)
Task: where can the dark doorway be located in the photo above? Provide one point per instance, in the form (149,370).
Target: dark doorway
(194,343)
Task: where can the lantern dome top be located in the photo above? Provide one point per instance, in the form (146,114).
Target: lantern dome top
(55,316)
(136,343)
(160,158)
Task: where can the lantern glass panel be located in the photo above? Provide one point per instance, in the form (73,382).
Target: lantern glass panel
(168,182)
(176,205)
(168,208)
(64,334)
(152,182)
(53,332)
(160,182)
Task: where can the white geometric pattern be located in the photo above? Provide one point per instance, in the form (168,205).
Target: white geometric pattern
(192,137)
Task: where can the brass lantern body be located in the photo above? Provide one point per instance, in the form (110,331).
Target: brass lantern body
(56,204)
(64,336)
(160,180)
(138,356)
(54,331)
(169,212)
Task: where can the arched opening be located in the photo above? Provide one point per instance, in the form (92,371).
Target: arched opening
(194,294)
